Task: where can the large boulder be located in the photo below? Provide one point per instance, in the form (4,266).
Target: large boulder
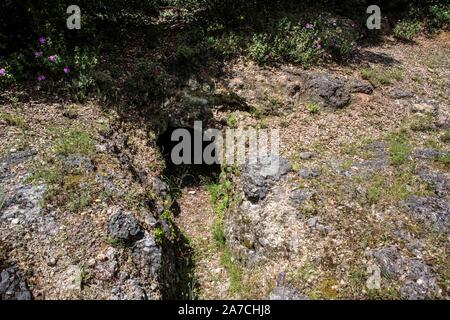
(286,293)
(389,260)
(18,157)
(266,219)
(328,90)
(399,93)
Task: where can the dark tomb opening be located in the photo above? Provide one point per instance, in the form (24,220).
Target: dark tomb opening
(187,174)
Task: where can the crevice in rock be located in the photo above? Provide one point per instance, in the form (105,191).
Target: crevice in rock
(186,175)
(179,177)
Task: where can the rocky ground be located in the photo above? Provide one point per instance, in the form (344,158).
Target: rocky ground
(79,214)
(358,209)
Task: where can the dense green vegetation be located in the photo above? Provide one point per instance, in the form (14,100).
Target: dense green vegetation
(138,51)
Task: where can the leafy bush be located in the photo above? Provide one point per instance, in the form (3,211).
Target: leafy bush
(296,43)
(407,30)
(439,17)
(338,40)
(303,43)
(6,77)
(38,62)
(259,48)
(47,59)
(289,43)
(85,62)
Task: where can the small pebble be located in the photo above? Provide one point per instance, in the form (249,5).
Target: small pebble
(306,155)
(312,221)
(91,262)
(51,262)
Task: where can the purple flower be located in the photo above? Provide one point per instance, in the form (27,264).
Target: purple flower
(37,54)
(66,70)
(2,72)
(41,77)
(309,26)
(319,46)
(53,58)
(42,40)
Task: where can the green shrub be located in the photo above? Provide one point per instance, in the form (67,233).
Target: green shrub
(78,199)
(219,196)
(259,48)
(374,193)
(159,235)
(337,38)
(234,270)
(303,43)
(407,30)
(48,59)
(422,122)
(6,77)
(445,159)
(439,17)
(290,44)
(219,234)
(85,62)
(297,44)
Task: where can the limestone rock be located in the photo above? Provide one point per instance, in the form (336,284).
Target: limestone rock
(123,226)
(13,286)
(328,90)
(433,211)
(258,177)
